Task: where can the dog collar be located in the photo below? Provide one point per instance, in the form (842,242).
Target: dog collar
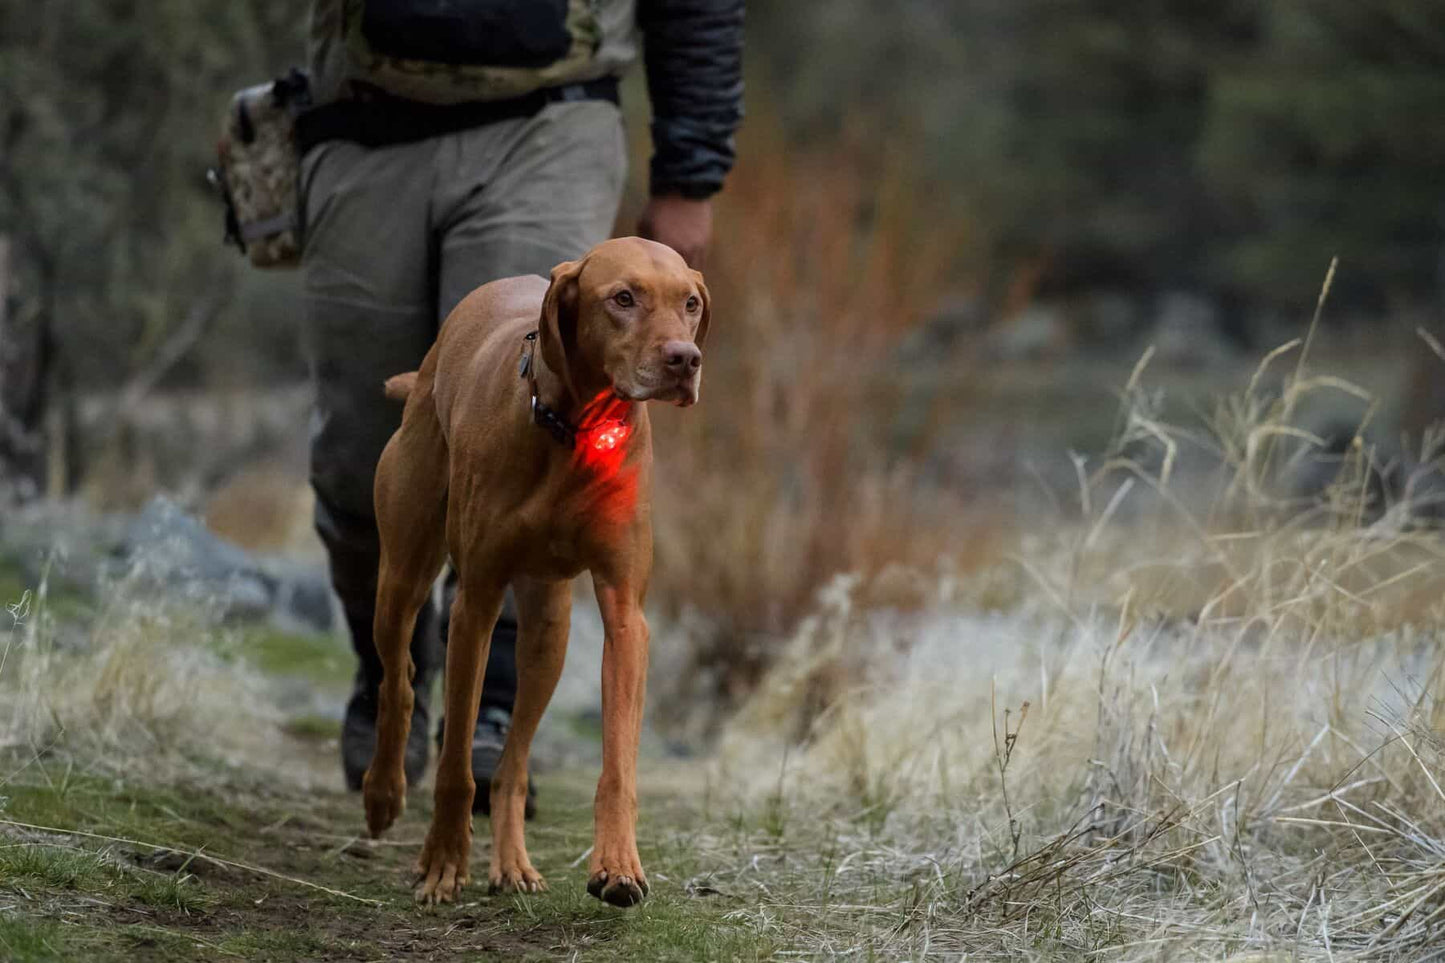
(543,416)
(556,426)
(598,440)
(602,438)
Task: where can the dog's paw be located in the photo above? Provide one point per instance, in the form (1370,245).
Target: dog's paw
(619,890)
(441,870)
(624,885)
(516,879)
(385,799)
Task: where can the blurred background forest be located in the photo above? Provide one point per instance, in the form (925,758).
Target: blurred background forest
(954,225)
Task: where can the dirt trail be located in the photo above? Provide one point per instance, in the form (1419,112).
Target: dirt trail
(73,895)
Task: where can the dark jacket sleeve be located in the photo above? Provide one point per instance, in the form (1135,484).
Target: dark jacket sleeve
(694,55)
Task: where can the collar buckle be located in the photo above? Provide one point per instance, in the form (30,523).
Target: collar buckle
(529,348)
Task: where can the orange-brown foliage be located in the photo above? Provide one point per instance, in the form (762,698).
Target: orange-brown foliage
(824,261)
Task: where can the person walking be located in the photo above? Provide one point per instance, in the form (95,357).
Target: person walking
(452,143)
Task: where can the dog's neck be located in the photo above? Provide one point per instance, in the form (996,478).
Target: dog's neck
(549,389)
(570,420)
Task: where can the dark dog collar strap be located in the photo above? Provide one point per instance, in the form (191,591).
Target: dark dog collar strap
(557,426)
(565,434)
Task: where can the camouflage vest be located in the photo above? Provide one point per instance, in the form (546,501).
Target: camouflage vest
(451,51)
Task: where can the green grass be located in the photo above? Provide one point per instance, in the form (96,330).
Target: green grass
(168,906)
(177,891)
(52,866)
(321,659)
(584,726)
(13,583)
(313,727)
(23,939)
(63,601)
(64,863)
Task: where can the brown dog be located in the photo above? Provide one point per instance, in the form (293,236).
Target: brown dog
(525,453)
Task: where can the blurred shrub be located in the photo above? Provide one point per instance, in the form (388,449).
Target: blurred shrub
(783,477)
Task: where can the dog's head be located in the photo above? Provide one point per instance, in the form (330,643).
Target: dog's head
(628,317)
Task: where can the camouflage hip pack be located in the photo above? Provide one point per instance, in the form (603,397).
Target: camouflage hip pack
(258,173)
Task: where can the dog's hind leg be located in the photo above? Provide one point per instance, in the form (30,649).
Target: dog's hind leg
(544,613)
(411,500)
(443,865)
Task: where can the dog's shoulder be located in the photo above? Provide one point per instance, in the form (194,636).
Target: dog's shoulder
(500,300)
(481,338)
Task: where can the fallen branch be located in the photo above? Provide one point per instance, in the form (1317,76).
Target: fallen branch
(233,864)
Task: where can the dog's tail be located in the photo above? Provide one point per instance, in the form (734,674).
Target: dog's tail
(398,387)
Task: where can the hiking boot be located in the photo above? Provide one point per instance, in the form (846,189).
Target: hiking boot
(358,738)
(488,739)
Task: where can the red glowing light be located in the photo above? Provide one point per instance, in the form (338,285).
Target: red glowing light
(604,444)
(603,452)
(603,448)
(610,437)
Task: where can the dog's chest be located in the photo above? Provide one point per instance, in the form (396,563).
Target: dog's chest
(580,526)
(564,554)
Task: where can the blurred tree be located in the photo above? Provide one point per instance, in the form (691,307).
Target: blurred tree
(1103,108)
(23,363)
(1332,142)
(1230,148)
(1067,128)
(107,109)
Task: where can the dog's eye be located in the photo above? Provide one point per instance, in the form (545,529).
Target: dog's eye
(623,299)
(692,304)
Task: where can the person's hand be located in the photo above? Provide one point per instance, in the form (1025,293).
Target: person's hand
(683,224)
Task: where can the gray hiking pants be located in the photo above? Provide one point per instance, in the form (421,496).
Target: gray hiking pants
(395,237)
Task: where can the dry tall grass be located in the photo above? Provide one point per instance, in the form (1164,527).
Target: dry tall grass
(148,683)
(1204,731)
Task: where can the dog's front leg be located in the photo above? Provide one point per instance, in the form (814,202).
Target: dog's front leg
(544,611)
(442,868)
(616,870)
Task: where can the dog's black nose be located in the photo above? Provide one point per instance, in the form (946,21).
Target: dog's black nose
(682,357)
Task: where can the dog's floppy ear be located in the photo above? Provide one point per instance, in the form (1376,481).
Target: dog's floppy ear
(557,329)
(701,335)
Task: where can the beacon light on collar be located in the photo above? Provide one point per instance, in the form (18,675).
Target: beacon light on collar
(606,439)
(603,447)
